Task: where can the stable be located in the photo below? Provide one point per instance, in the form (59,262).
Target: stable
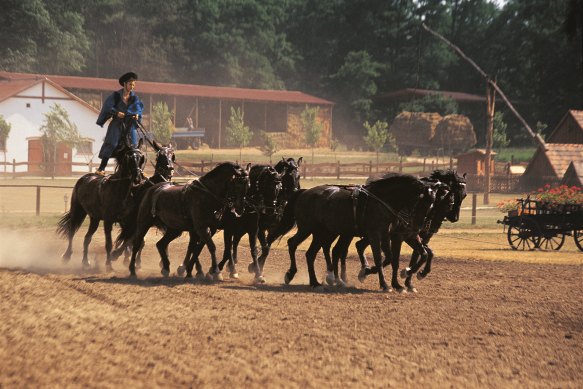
(23,104)
(276,112)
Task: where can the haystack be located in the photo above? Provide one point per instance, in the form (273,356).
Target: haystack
(454,133)
(414,129)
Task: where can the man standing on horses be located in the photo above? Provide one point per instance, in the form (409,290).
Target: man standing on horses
(125,108)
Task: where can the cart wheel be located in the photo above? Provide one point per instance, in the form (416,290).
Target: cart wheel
(578,236)
(524,237)
(552,241)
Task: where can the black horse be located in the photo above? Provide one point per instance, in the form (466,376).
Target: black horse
(163,172)
(103,198)
(197,207)
(373,210)
(290,179)
(261,205)
(447,207)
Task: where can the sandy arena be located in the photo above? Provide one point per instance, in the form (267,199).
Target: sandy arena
(485,317)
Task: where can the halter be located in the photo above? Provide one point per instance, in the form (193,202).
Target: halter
(259,206)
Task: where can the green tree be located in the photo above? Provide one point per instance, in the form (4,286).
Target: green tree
(499,137)
(5,128)
(238,134)
(268,145)
(431,103)
(57,128)
(377,136)
(311,126)
(162,124)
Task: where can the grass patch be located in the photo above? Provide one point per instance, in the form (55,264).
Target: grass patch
(518,154)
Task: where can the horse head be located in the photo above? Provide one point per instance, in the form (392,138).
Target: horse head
(165,159)
(130,162)
(236,189)
(423,207)
(267,189)
(442,207)
(290,175)
(457,185)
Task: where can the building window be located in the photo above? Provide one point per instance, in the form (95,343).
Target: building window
(3,144)
(85,148)
(27,105)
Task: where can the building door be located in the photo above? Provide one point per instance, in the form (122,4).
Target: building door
(36,158)
(63,160)
(35,155)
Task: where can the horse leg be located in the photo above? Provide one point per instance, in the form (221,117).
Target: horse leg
(139,257)
(409,277)
(108,227)
(93,225)
(228,251)
(427,269)
(393,254)
(162,246)
(194,249)
(310,259)
(292,245)
(264,247)
(361,245)
(253,249)
(206,237)
(331,271)
(375,245)
(339,253)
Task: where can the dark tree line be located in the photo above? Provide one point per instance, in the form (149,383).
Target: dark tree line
(343,50)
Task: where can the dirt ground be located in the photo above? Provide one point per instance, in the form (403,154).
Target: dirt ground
(485,317)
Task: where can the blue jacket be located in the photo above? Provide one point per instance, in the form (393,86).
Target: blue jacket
(117,127)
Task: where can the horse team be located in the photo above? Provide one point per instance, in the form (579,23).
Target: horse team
(265,202)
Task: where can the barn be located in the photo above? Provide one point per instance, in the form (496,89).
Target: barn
(23,104)
(276,112)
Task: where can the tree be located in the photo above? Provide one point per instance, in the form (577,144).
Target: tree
(238,134)
(5,128)
(268,145)
(57,128)
(499,137)
(311,126)
(431,103)
(377,135)
(162,126)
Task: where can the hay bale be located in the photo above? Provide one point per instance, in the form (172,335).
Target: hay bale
(454,133)
(414,129)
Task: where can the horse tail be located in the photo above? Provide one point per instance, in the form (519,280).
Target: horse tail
(288,220)
(71,221)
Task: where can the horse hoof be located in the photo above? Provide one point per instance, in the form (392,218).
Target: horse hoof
(340,283)
(404,273)
(330,278)
(421,276)
(133,275)
(86,265)
(200,276)
(411,290)
(181,270)
(108,266)
(362,275)
(386,289)
(165,272)
(287,279)
(138,265)
(401,290)
(218,276)
(234,275)
(251,268)
(259,280)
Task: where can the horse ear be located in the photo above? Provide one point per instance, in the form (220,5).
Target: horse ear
(173,157)
(465,174)
(300,159)
(282,159)
(248,168)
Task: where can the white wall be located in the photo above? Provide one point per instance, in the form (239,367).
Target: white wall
(26,122)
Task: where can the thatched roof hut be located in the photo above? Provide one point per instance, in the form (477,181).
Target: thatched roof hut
(454,133)
(414,129)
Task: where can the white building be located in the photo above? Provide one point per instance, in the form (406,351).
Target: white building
(23,104)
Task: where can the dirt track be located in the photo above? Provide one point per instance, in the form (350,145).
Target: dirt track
(474,323)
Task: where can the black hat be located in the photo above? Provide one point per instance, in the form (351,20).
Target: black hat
(127,77)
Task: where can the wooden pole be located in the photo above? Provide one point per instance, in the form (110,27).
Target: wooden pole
(220,119)
(474,201)
(537,138)
(491,100)
(37,200)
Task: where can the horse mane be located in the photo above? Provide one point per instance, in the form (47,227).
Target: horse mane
(447,176)
(218,169)
(401,189)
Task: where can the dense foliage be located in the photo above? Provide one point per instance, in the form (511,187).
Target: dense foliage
(347,51)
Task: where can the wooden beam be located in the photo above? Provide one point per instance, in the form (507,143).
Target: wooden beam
(220,120)
(174,111)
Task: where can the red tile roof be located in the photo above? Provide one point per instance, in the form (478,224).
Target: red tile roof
(160,88)
(13,87)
